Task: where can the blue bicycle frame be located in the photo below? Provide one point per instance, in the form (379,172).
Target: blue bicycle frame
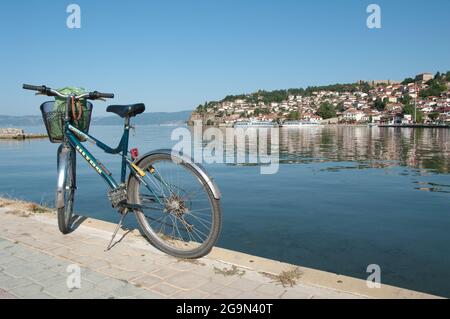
(71,134)
(122,149)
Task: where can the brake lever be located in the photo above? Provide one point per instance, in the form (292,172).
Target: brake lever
(39,93)
(101,99)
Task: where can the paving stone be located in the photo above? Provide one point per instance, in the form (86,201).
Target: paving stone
(229,293)
(191,294)
(91,294)
(92,276)
(146,281)
(149,295)
(24,270)
(6,295)
(272,290)
(165,273)
(61,290)
(110,284)
(253,295)
(245,284)
(187,280)
(30,291)
(291,294)
(36,258)
(12,283)
(58,279)
(10,260)
(165,289)
(183,265)
(95,264)
(4,244)
(210,287)
(127,291)
(44,277)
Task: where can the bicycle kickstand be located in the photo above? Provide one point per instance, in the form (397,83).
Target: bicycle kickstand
(119,225)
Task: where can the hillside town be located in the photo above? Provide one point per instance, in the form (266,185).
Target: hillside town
(422,99)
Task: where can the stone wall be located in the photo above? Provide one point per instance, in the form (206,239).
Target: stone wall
(11,131)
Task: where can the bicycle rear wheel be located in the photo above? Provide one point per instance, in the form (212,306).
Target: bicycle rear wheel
(66,187)
(178,212)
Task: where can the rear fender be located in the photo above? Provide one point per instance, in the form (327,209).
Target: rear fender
(184,159)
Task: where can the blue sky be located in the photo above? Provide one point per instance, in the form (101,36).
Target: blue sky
(173,55)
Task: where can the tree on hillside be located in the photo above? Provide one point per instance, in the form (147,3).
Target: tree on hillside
(326,110)
(340,107)
(405,100)
(294,116)
(436,87)
(408,80)
(409,109)
(380,104)
(433,116)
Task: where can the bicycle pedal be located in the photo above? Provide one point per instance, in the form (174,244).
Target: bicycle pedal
(118,196)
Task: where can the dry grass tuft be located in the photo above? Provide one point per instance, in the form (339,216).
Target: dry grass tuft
(287,278)
(190,261)
(233,271)
(21,208)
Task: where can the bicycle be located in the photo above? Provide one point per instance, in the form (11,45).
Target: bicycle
(176,203)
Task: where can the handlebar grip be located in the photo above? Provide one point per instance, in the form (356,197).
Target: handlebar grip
(98,95)
(107,95)
(34,87)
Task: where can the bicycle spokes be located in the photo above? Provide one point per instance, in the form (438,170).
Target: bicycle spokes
(176,208)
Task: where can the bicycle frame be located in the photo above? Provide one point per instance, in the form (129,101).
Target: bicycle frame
(92,161)
(70,133)
(71,138)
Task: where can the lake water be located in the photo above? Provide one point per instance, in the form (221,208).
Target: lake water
(343,198)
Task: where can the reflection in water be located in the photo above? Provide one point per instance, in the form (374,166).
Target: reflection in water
(423,149)
(433,187)
(375,147)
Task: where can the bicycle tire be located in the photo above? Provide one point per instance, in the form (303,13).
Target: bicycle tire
(134,198)
(65,213)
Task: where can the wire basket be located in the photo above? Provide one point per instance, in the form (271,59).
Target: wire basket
(54,121)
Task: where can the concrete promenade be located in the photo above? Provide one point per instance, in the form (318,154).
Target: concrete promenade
(38,262)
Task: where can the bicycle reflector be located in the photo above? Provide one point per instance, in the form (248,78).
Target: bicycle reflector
(134,153)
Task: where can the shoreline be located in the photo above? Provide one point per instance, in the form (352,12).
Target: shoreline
(344,125)
(26,136)
(18,134)
(35,226)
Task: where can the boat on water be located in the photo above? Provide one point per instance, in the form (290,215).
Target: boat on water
(246,124)
(299,124)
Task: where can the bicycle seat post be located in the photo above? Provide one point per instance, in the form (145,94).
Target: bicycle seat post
(125,140)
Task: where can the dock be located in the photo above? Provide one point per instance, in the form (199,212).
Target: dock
(415,125)
(36,262)
(18,134)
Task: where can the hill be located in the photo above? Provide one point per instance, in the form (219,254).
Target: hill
(153,118)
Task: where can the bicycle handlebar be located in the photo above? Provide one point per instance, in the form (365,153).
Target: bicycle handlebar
(50,92)
(33,87)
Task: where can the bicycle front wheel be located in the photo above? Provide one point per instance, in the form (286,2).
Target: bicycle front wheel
(177,209)
(66,188)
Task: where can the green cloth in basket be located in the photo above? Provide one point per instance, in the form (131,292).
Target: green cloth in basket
(59,110)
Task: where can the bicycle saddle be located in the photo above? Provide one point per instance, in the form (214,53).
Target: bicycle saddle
(126,110)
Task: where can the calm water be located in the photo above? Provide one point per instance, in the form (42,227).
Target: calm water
(343,198)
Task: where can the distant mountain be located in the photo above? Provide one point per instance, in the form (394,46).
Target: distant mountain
(142,119)
(154,118)
(28,120)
